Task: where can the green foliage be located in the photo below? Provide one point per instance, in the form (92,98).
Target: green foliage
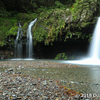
(85,24)
(68,35)
(82,10)
(42,8)
(88,37)
(51,18)
(13,30)
(6,29)
(2,43)
(26,17)
(61,56)
(58,4)
(39,35)
(49,25)
(4,13)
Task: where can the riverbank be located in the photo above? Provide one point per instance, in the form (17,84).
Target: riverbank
(21,87)
(34,63)
(44,80)
(16,86)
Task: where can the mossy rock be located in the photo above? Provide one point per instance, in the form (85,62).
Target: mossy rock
(61,56)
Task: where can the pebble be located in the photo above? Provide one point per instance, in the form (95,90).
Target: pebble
(35,64)
(18,87)
(45,82)
(22,87)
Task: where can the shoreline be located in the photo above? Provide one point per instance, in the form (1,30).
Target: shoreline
(19,86)
(35,64)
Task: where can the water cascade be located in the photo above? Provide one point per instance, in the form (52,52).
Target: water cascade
(18,43)
(94,50)
(29,43)
(93,57)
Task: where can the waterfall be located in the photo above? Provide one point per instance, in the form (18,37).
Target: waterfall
(18,43)
(29,43)
(93,57)
(94,50)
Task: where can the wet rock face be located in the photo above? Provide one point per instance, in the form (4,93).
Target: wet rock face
(68,50)
(5,54)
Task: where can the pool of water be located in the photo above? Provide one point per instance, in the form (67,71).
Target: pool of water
(81,79)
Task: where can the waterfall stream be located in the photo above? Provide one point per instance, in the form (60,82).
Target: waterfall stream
(93,57)
(18,43)
(29,43)
(94,50)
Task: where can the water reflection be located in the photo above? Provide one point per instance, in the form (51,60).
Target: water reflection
(95,77)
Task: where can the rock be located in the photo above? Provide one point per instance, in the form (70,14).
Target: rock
(34,69)
(17,72)
(50,80)
(19,98)
(34,89)
(8,87)
(22,87)
(14,97)
(44,98)
(6,71)
(33,84)
(10,69)
(43,70)
(57,99)
(45,82)
(96,84)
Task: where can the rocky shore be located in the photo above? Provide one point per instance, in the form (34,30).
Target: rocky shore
(20,87)
(34,64)
(16,86)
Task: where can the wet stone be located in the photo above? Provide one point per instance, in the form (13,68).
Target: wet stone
(50,80)
(33,84)
(19,98)
(10,69)
(45,82)
(4,84)
(45,98)
(17,72)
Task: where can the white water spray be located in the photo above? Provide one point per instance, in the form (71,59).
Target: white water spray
(29,44)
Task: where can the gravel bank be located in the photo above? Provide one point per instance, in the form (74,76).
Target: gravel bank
(34,64)
(16,86)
